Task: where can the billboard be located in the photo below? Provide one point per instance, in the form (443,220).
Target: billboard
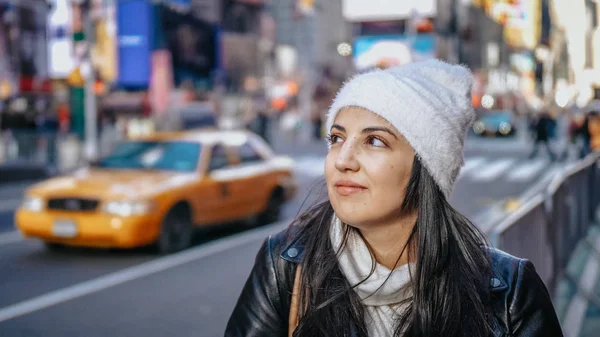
(392,50)
(60,41)
(8,61)
(521,20)
(161,82)
(105,49)
(134,42)
(33,50)
(381,10)
(193,45)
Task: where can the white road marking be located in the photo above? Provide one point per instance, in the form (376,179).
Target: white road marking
(492,171)
(471,164)
(9,205)
(10,237)
(528,170)
(576,311)
(136,272)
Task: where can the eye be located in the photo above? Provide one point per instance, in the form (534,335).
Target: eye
(376,142)
(333,139)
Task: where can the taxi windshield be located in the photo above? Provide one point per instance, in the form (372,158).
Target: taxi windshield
(152,155)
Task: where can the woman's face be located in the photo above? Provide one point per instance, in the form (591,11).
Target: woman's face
(367,168)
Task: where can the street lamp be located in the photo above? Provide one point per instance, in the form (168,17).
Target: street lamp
(344,49)
(87,71)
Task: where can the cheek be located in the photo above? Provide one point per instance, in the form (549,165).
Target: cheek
(329,167)
(391,178)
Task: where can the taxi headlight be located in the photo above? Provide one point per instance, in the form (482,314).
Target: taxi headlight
(505,128)
(33,204)
(127,208)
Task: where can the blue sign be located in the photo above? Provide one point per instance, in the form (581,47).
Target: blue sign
(134,20)
(179,2)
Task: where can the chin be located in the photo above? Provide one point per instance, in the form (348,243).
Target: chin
(354,215)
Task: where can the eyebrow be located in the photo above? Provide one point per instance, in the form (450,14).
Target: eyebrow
(370,129)
(379,128)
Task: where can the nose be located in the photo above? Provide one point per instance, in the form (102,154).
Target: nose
(346,160)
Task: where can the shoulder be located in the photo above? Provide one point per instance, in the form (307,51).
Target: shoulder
(510,272)
(505,268)
(520,296)
(513,270)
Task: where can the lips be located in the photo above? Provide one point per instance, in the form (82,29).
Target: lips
(348,187)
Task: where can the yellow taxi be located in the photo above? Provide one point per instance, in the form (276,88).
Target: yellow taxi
(156,189)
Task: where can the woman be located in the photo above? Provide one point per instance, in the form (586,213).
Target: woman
(386,254)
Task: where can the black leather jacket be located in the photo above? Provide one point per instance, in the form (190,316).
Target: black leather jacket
(521,301)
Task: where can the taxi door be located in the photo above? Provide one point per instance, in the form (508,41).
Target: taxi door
(215,202)
(252,179)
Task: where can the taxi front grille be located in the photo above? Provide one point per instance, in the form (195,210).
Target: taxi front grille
(73,204)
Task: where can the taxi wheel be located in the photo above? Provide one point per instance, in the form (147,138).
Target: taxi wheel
(54,247)
(176,231)
(271,213)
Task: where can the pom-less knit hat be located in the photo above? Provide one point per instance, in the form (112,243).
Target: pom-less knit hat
(428,102)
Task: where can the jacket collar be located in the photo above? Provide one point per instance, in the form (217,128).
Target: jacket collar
(294,253)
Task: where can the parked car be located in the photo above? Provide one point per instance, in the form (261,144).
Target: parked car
(156,189)
(495,123)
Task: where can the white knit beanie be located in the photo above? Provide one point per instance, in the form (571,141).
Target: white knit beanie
(428,102)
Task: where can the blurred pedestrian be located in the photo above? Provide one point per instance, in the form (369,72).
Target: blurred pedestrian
(47,127)
(593,131)
(583,133)
(572,130)
(543,129)
(322,96)
(290,122)
(256,115)
(386,254)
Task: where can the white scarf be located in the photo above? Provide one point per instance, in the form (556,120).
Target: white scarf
(379,294)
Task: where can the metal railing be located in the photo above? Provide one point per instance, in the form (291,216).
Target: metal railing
(547,226)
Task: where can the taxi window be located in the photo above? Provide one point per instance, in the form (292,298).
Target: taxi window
(218,158)
(248,154)
(152,155)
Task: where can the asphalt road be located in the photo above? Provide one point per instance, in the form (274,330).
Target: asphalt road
(85,292)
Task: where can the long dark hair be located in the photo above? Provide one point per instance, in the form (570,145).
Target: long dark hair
(450,283)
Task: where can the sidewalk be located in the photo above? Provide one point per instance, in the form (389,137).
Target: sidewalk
(301,145)
(577,300)
(31,164)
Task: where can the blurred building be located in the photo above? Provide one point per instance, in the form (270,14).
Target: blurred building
(165,53)
(498,40)
(308,39)
(296,30)
(206,10)
(543,52)
(242,29)
(24,72)
(574,51)
(313,30)
(334,32)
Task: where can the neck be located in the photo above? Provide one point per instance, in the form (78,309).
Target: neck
(387,240)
